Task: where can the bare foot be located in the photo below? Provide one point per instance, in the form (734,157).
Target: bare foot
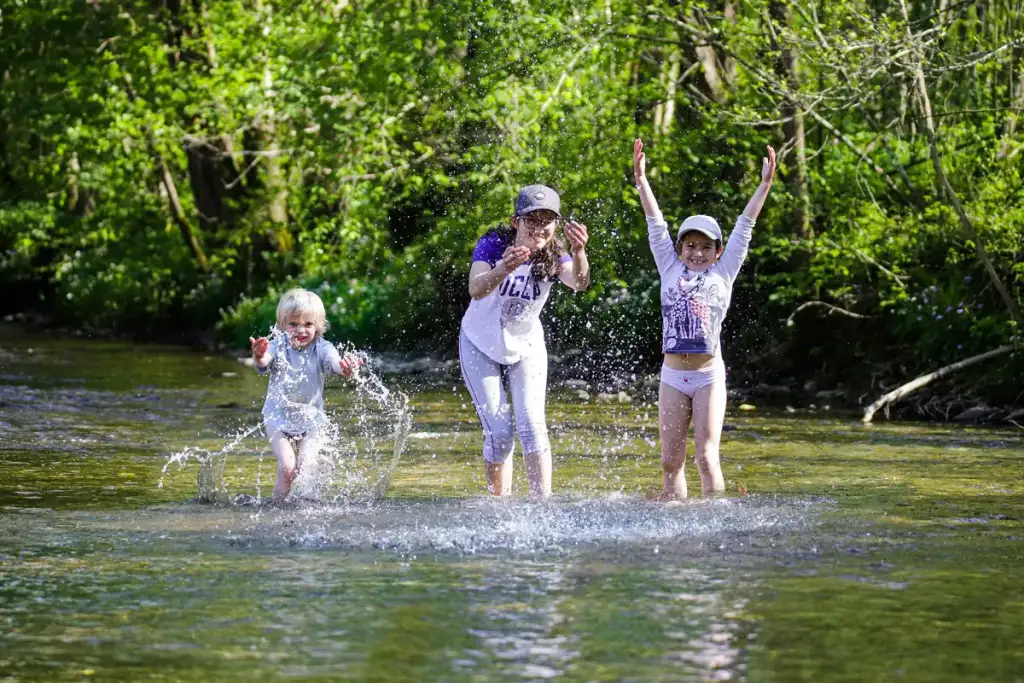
(661,496)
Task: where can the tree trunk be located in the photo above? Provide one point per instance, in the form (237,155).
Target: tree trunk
(793,127)
(1016,104)
(928,120)
(77,202)
(709,63)
(178,213)
(664,113)
(275,186)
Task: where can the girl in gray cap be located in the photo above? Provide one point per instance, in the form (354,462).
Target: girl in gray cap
(501,343)
(697,276)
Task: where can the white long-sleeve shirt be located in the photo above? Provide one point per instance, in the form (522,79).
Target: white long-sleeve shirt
(693,304)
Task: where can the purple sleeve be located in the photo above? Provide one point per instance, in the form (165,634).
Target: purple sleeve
(562,260)
(489,248)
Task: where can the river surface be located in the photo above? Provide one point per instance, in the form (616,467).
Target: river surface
(136,542)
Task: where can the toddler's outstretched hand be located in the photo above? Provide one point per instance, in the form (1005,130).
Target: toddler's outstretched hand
(349,364)
(259,347)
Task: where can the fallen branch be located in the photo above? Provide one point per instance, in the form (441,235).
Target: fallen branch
(923,380)
(831,309)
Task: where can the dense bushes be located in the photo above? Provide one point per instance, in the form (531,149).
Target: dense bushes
(176,170)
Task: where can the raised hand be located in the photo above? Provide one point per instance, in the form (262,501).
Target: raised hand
(639,161)
(577,234)
(259,347)
(756,202)
(768,166)
(515,256)
(350,363)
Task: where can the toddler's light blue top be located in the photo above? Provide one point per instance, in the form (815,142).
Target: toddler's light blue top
(295,394)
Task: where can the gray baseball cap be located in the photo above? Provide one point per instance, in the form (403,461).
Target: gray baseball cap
(536,197)
(705,225)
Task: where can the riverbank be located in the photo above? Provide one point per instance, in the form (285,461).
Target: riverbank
(603,377)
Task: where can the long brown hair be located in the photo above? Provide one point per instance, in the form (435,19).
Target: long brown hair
(544,263)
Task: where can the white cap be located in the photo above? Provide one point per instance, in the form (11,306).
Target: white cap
(706,225)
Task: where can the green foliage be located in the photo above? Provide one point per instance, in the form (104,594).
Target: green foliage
(361,148)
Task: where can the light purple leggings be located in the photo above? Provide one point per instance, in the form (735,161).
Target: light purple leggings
(527,382)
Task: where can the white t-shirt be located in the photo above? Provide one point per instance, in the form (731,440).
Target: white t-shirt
(505,324)
(295,394)
(693,305)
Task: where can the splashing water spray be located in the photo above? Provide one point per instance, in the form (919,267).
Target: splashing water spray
(360,444)
(210,478)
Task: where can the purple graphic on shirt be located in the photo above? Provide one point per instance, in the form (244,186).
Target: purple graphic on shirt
(514,311)
(693,320)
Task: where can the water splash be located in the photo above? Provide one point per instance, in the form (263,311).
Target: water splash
(488,526)
(362,439)
(210,478)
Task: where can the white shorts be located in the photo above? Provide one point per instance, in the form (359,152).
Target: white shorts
(689,381)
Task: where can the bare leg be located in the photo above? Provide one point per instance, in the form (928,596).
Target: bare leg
(538,472)
(674,409)
(281,445)
(708,416)
(499,476)
(307,464)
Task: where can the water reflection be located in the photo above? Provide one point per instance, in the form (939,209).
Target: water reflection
(231,587)
(869,554)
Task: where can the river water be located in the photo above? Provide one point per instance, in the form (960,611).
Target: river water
(842,552)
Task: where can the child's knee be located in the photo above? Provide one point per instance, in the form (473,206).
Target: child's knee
(498,446)
(673,462)
(707,456)
(287,472)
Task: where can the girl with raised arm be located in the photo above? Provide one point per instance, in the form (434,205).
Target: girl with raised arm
(697,276)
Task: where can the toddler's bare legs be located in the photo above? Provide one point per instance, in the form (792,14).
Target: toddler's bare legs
(538,472)
(281,445)
(499,476)
(674,409)
(308,463)
(708,416)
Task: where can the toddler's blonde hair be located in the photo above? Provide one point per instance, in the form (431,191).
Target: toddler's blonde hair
(298,300)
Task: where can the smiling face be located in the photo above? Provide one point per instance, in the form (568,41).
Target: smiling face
(697,251)
(301,314)
(535,230)
(302,329)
